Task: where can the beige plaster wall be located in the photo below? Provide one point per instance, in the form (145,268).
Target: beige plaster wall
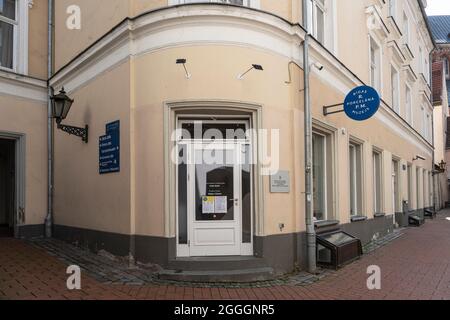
(37,39)
(34,128)
(83,197)
(97,18)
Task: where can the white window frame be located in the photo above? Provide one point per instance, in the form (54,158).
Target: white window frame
(429,133)
(396,182)
(20,38)
(377,207)
(246,3)
(424,122)
(446,68)
(356,187)
(420,57)
(393,8)
(378,85)
(395,94)
(406,29)
(408,106)
(325,185)
(313,7)
(330,37)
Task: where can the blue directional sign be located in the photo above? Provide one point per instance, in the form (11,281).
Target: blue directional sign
(109,149)
(362,103)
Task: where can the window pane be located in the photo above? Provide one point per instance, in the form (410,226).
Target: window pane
(236,2)
(214,131)
(355,179)
(408,105)
(6,44)
(8,9)
(214,182)
(319,176)
(417,189)
(410,187)
(320,26)
(377,181)
(182,195)
(374,64)
(394,86)
(392,8)
(246,195)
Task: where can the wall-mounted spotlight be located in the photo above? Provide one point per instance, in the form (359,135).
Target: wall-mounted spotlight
(419,157)
(183,62)
(318,66)
(254,66)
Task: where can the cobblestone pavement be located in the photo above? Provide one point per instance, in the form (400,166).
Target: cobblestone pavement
(414,266)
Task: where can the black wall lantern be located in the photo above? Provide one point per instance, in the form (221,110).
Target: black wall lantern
(61,104)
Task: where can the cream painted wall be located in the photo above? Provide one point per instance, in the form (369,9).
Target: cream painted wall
(83,197)
(69,43)
(100,16)
(171,85)
(33,126)
(137,92)
(37,40)
(139,6)
(82,200)
(97,18)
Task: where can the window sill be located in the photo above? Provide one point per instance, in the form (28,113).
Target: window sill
(379,215)
(358,218)
(328,223)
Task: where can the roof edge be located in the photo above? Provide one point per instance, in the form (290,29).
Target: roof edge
(427,23)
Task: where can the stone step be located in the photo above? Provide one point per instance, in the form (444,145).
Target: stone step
(216,263)
(219,276)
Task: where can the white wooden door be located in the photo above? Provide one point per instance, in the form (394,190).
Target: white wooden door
(215,201)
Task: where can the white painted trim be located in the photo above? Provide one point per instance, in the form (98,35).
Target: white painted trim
(233,26)
(397,108)
(210,24)
(171,111)
(23,87)
(21,52)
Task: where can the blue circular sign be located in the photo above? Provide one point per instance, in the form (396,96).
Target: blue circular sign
(362,103)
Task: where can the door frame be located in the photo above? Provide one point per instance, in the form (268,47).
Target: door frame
(246,249)
(236,223)
(19,214)
(204,108)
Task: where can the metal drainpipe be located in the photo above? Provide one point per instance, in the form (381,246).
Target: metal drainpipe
(49,218)
(433,176)
(309,213)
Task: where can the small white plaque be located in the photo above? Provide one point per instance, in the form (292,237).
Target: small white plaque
(280,182)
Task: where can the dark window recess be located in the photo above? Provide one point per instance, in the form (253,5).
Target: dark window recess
(182,195)
(214,131)
(246,196)
(336,249)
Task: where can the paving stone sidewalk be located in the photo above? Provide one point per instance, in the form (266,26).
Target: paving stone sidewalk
(414,266)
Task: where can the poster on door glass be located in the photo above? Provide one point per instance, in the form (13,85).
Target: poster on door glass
(208,205)
(221,205)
